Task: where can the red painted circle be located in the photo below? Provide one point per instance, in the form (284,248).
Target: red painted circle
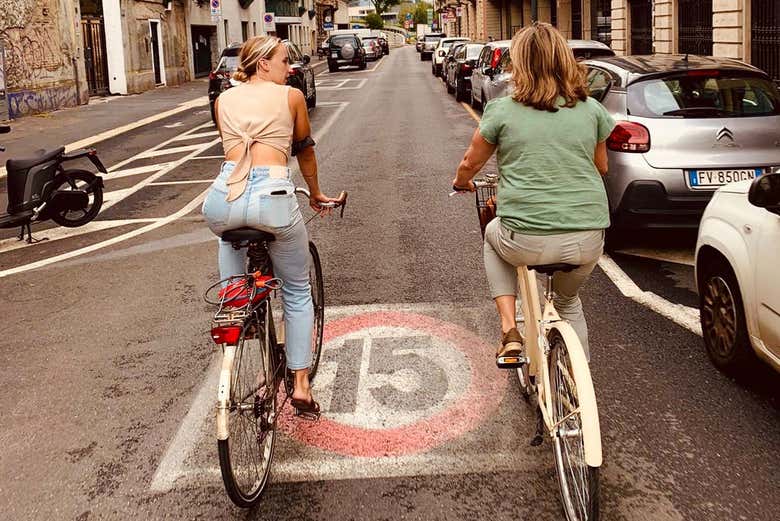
(485,390)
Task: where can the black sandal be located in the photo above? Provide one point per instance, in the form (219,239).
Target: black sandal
(306,409)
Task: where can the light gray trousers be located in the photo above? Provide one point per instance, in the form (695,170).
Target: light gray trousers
(504,250)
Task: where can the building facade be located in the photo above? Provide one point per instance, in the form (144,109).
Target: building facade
(747,30)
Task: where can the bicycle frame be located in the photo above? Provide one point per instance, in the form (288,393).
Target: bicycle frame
(538,351)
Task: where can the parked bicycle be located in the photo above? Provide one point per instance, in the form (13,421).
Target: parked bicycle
(254,365)
(555,370)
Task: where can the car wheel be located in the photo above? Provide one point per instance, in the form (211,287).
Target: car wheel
(450,89)
(213,115)
(459,94)
(722,318)
(433,69)
(332,68)
(363,65)
(312,101)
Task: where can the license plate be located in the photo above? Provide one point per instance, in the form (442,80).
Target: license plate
(334,55)
(705,179)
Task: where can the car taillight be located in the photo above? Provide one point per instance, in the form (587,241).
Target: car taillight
(212,75)
(628,136)
(465,67)
(709,74)
(226,334)
(495,59)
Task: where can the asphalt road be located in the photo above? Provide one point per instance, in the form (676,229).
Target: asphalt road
(107,369)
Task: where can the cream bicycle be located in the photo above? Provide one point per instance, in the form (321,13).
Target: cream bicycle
(555,370)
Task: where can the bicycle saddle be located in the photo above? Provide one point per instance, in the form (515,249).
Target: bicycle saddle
(549,269)
(41,156)
(247,234)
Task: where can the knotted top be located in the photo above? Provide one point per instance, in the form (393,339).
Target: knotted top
(252,113)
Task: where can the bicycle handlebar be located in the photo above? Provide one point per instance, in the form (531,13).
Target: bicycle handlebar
(478,183)
(341,200)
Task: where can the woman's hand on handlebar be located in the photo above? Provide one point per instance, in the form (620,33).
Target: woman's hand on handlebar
(324,205)
(468,187)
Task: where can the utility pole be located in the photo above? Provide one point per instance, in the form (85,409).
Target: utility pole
(535,10)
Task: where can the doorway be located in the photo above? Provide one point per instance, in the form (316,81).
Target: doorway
(641,27)
(158,62)
(203,38)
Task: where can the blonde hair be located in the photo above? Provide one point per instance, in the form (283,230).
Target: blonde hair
(254,49)
(544,68)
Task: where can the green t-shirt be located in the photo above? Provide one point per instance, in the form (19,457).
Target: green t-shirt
(548,182)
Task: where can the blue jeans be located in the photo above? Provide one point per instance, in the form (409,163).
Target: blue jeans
(277,214)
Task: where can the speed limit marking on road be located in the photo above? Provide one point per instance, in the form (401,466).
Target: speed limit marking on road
(394,383)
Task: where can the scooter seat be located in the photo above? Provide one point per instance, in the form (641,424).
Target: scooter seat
(41,156)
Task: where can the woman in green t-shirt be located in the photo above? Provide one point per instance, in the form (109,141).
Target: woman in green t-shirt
(551,204)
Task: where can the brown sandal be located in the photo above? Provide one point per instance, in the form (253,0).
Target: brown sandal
(306,409)
(510,353)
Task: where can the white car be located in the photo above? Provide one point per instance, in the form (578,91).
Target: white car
(737,254)
(441,51)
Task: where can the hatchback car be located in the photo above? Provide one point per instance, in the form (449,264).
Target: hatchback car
(686,125)
(736,273)
(372,47)
(437,62)
(385,45)
(448,58)
(459,70)
(483,85)
(344,50)
(429,43)
(301,74)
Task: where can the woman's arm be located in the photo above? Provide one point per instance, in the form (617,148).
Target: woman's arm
(476,156)
(600,157)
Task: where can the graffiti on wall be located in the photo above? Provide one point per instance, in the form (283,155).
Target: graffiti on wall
(42,100)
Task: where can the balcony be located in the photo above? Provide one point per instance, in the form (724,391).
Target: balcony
(283,7)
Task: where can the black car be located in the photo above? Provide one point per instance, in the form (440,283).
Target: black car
(301,75)
(448,58)
(346,49)
(457,75)
(384,44)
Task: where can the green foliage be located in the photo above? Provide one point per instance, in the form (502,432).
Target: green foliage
(382,6)
(405,7)
(420,13)
(374,21)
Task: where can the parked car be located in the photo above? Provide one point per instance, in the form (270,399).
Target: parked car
(459,70)
(384,44)
(372,47)
(686,125)
(736,273)
(429,43)
(449,57)
(346,49)
(484,71)
(437,62)
(500,83)
(301,76)
(322,50)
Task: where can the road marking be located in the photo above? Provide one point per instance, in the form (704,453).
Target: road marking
(471,111)
(117,174)
(194,136)
(679,256)
(193,182)
(684,316)
(57,233)
(360,84)
(94,247)
(97,138)
(352,71)
(167,151)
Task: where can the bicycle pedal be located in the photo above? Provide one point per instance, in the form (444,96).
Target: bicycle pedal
(307,415)
(510,362)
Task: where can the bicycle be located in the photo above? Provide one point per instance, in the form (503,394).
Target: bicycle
(556,370)
(254,364)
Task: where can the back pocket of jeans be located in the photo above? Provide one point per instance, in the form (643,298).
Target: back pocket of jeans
(274,210)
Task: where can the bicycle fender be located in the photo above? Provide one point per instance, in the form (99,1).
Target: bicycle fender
(591,431)
(223,392)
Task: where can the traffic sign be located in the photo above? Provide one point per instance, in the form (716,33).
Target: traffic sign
(269,22)
(395,383)
(216,9)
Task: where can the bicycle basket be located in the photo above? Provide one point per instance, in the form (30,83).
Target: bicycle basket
(486,206)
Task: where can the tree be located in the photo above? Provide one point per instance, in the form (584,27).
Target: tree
(374,21)
(382,6)
(420,14)
(405,7)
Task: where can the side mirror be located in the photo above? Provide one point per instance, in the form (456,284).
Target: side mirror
(487,71)
(442,53)
(5,129)
(765,192)
(306,59)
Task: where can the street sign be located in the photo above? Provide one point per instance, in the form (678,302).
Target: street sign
(269,22)
(216,9)
(408,16)
(458,11)
(327,26)
(430,17)
(375,367)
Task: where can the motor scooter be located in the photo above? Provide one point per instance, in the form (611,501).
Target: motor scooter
(41,188)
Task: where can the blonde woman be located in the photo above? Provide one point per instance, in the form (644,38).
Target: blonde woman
(262,123)
(552,207)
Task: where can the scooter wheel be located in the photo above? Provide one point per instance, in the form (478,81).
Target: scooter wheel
(77,180)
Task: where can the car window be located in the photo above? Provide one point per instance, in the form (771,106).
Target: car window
(484,56)
(293,54)
(472,51)
(505,65)
(341,40)
(227,64)
(587,54)
(461,53)
(704,94)
(598,82)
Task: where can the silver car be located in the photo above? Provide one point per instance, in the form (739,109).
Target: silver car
(686,125)
(485,83)
(371,45)
(500,83)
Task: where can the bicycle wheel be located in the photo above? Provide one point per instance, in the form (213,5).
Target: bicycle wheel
(318,300)
(579,482)
(245,456)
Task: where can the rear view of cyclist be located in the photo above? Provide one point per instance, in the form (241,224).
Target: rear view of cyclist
(262,122)
(551,203)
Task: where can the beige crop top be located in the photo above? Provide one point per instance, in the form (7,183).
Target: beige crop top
(254,113)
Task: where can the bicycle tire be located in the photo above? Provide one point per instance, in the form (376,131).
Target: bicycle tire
(579,487)
(252,416)
(318,302)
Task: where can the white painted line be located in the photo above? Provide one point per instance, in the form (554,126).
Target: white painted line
(329,103)
(208,157)
(135,171)
(166,151)
(194,136)
(360,85)
(125,236)
(189,431)
(197,102)
(57,233)
(684,316)
(193,182)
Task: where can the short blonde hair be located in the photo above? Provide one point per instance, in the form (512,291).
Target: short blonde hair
(254,49)
(544,69)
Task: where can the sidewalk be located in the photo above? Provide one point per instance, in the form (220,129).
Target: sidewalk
(106,117)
